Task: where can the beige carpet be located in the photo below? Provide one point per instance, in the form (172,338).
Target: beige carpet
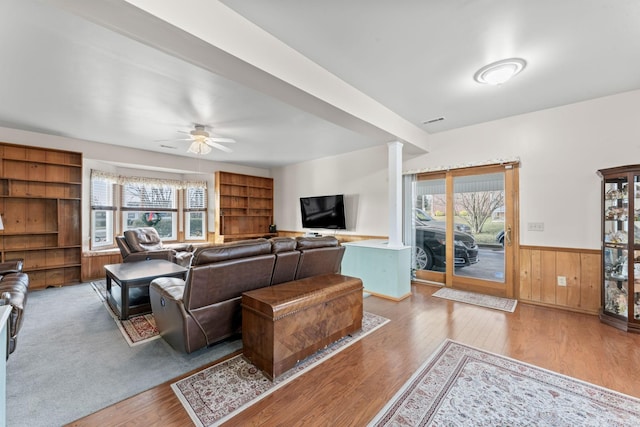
(137,329)
(218,393)
(496,303)
(464,386)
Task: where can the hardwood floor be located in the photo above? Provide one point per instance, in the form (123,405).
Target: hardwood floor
(351,387)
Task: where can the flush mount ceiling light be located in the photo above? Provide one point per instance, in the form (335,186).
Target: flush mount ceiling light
(499,72)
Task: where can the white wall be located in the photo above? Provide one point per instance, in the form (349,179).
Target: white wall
(560,151)
(361,176)
(128,161)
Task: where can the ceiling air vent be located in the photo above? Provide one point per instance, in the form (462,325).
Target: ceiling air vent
(437,119)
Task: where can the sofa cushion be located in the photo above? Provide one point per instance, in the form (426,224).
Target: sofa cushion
(282,244)
(143,239)
(287,257)
(315,242)
(232,250)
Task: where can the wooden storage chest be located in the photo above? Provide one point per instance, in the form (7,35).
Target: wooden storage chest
(285,323)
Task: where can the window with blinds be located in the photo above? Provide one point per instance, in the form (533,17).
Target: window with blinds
(102,212)
(195,213)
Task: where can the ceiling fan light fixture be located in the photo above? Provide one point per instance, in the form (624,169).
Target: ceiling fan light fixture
(199,132)
(500,72)
(199,147)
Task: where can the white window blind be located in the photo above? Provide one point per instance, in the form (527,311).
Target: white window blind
(101,192)
(141,196)
(195,198)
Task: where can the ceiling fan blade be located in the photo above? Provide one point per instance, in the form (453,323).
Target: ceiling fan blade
(218,146)
(172,140)
(224,140)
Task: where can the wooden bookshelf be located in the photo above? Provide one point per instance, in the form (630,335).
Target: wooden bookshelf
(40,204)
(243,206)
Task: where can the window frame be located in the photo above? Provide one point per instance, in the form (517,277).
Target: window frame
(106,205)
(178,207)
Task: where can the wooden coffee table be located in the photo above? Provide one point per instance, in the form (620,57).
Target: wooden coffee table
(133,279)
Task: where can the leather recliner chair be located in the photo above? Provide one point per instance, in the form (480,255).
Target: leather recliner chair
(144,243)
(14,285)
(205,308)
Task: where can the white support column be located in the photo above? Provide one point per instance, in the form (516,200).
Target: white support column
(395,193)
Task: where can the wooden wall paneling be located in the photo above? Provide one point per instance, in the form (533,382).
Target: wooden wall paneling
(524,288)
(15,216)
(14,152)
(71,256)
(38,189)
(548,291)
(17,170)
(35,155)
(568,265)
(590,283)
(539,271)
(72,275)
(93,265)
(54,277)
(536,275)
(37,280)
(36,172)
(69,228)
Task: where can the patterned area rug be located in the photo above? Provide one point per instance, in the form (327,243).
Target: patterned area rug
(464,386)
(219,392)
(137,329)
(498,303)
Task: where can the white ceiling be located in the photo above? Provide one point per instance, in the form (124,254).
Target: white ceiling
(106,71)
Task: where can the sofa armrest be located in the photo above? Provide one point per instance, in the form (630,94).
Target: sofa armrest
(10,267)
(171,288)
(179,247)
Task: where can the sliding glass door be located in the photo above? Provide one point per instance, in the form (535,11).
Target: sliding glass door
(464,226)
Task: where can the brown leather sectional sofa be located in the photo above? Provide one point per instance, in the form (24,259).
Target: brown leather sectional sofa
(205,308)
(14,285)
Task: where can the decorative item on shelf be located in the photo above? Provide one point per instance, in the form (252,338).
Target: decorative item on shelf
(619,269)
(616,298)
(272,228)
(613,194)
(616,213)
(616,237)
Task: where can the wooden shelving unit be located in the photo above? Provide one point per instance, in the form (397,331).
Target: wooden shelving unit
(40,204)
(243,206)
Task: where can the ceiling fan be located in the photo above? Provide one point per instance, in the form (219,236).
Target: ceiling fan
(202,141)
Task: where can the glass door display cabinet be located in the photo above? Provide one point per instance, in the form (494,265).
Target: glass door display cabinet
(621,247)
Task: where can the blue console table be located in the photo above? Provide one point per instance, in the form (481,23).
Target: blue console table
(385,270)
(5,310)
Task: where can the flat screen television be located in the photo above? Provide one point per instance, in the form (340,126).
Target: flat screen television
(323,212)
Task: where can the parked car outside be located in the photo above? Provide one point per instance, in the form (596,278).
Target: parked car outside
(430,248)
(500,238)
(423,218)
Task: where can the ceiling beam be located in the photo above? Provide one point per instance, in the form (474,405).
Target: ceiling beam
(214,37)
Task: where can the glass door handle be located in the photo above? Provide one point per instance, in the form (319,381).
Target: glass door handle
(507,235)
